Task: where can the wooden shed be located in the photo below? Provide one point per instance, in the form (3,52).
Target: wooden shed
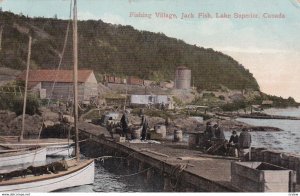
(58,84)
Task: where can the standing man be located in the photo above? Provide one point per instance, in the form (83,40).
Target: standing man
(244,143)
(209,131)
(209,134)
(125,124)
(144,124)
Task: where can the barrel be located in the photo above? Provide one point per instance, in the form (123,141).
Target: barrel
(136,133)
(177,136)
(161,129)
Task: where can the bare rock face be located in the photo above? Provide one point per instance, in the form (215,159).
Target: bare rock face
(5,118)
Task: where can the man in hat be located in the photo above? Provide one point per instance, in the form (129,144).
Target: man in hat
(209,134)
(244,143)
(144,124)
(125,124)
(219,133)
(209,131)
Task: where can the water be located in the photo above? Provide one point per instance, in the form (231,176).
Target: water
(108,181)
(286,141)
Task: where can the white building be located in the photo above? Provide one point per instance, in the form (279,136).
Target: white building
(148,100)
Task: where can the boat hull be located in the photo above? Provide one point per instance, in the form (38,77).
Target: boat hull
(60,150)
(82,174)
(23,157)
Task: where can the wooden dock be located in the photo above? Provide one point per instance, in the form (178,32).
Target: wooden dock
(197,171)
(203,172)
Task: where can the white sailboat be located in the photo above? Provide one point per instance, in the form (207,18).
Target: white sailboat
(78,172)
(25,155)
(54,146)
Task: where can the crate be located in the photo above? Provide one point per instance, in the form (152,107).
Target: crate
(262,177)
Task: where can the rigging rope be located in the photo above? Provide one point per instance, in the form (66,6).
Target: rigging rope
(62,54)
(129,175)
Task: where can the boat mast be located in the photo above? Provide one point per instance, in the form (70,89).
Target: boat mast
(26,84)
(75,53)
(1,31)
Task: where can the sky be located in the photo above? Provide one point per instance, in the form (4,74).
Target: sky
(266,40)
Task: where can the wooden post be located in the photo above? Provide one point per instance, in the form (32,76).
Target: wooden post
(125,97)
(141,166)
(25,93)
(167,184)
(129,165)
(75,75)
(149,176)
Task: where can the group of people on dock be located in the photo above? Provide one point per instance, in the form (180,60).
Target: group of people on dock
(125,125)
(214,139)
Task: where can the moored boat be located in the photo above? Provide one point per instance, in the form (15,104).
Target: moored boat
(47,177)
(78,173)
(23,156)
(54,146)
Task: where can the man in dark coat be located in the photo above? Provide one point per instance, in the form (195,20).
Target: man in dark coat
(144,124)
(244,143)
(234,139)
(209,134)
(209,131)
(125,124)
(245,139)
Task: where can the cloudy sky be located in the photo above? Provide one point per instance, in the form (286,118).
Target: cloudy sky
(268,47)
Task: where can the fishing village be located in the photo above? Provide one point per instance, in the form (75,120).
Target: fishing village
(68,126)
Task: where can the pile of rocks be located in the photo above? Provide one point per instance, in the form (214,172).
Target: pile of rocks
(10,124)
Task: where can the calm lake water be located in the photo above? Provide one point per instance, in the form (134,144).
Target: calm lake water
(287,141)
(107,181)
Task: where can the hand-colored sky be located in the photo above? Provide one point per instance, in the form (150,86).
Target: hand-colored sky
(269,48)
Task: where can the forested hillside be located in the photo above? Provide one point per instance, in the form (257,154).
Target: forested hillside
(118,50)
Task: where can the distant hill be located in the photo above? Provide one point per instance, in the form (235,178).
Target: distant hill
(118,50)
